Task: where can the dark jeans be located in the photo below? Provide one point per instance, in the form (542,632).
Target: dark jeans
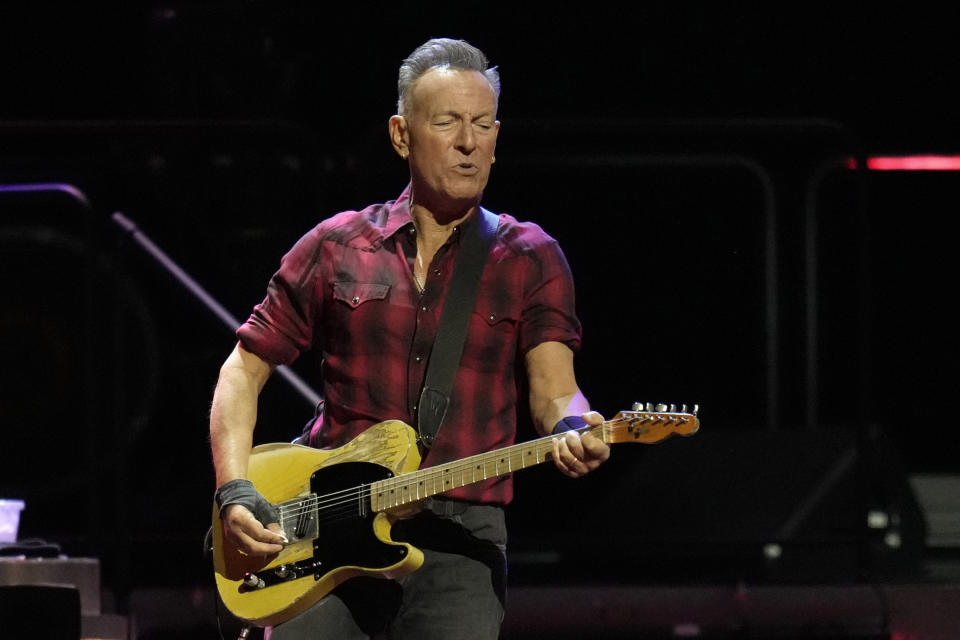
(458,593)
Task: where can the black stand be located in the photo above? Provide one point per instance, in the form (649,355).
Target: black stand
(208,301)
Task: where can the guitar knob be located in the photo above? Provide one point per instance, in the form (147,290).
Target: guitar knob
(253,581)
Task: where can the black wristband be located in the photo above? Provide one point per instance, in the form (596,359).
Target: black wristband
(241,491)
(234,491)
(570,423)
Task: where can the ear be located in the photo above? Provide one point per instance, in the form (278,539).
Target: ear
(400,136)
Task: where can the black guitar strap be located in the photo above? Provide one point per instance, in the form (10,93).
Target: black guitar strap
(452,332)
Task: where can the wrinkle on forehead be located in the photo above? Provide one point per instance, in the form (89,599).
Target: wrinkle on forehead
(444,97)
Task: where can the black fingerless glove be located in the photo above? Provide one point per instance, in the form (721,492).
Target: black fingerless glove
(570,423)
(241,491)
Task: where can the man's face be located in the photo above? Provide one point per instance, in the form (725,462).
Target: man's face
(451,134)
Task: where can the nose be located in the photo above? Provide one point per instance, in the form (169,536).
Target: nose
(466,141)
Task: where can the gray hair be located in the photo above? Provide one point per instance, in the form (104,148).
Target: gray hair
(443,53)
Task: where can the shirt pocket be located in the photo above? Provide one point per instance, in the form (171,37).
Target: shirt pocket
(357,320)
(492,340)
(357,293)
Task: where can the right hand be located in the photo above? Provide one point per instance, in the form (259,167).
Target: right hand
(244,513)
(248,534)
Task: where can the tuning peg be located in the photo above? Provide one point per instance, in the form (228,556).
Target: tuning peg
(650,407)
(637,406)
(661,408)
(683,409)
(696,408)
(673,408)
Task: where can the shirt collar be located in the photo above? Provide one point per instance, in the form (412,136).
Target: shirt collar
(399,218)
(398,214)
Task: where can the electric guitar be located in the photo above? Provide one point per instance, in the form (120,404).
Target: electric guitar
(337,506)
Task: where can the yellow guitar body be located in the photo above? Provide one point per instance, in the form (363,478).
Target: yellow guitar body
(282,472)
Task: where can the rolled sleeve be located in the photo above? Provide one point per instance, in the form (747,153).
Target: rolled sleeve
(549,313)
(281,327)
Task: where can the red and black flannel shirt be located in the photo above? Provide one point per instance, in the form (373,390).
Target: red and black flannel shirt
(347,288)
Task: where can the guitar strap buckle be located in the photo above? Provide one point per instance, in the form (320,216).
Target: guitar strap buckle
(431,410)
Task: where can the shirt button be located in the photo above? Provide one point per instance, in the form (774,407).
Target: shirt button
(423,308)
(356,299)
(493,317)
(437,272)
(417,358)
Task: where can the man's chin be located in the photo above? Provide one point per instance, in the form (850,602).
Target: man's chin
(451,199)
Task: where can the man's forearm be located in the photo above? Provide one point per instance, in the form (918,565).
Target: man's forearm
(554,393)
(550,412)
(233,414)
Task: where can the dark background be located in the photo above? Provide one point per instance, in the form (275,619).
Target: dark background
(694,164)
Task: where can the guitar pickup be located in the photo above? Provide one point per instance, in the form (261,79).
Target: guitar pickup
(298,518)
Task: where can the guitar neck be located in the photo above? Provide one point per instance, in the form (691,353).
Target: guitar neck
(412,487)
(649,426)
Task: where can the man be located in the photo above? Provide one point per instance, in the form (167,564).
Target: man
(367,289)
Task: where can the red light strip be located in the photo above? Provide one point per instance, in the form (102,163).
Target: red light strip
(909,163)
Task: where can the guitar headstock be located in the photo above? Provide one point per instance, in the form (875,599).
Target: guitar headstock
(650,423)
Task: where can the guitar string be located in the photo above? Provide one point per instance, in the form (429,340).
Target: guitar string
(344,507)
(349,497)
(430,479)
(431,483)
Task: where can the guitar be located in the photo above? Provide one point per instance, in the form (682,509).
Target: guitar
(337,507)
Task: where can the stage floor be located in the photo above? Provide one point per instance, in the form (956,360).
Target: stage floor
(649,612)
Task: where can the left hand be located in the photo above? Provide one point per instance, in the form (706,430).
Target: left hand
(576,456)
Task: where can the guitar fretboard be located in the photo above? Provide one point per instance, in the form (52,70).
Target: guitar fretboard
(417,485)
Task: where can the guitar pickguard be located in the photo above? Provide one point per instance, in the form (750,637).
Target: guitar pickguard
(345,532)
(338,519)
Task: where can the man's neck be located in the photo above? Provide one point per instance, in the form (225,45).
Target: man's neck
(432,232)
(433,229)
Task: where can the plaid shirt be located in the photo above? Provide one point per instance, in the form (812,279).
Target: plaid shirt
(347,289)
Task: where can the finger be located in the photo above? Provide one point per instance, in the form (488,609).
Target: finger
(561,456)
(592,418)
(261,539)
(595,449)
(252,546)
(255,529)
(566,457)
(274,527)
(239,519)
(574,445)
(247,543)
